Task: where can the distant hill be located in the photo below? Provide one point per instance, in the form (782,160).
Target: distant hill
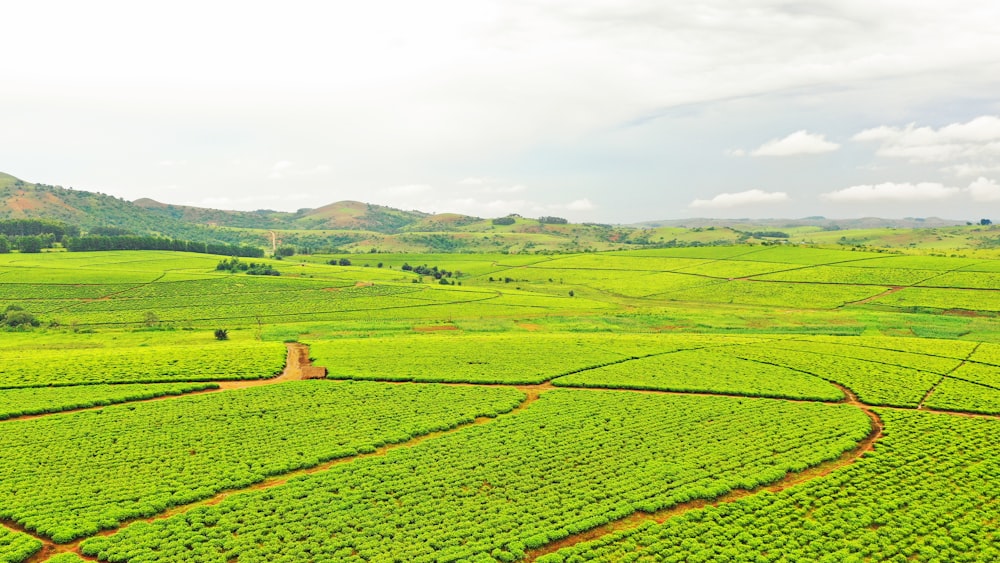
(89,210)
(343,215)
(822,222)
(352,226)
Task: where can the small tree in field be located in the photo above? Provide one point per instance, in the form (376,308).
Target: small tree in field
(221,334)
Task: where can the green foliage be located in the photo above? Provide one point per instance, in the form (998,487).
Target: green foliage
(924,494)
(21,402)
(491,491)
(548,220)
(504,221)
(14,316)
(707,369)
(221,334)
(133,364)
(69,476)
(16,547)
(234,264)
(91,243)
(29,244)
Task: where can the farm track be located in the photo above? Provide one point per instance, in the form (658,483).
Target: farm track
(298,366)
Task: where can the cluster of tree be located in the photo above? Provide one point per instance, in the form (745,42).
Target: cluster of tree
(504,220)
(424,270)
(15,316)
(436,242)
(26,244)
(344,262)
(762,234)
(234,264)
(547,220)
(36,227)
(149,242)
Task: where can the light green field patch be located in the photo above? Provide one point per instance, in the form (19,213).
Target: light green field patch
(611,261)
(513,358)
(708,370)
(924,494)
(209,361)
(947,299)
(921,346)
(835,349)
(69,475)
(957,395)
(35,400)
(901,261)
(874,383)
(845,275)
(491,491)
(733,268)
(778,294)
(987,353)
(974,280)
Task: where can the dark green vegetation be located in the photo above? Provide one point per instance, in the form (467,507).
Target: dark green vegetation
(566,394)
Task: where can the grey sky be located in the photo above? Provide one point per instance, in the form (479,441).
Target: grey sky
(622,111)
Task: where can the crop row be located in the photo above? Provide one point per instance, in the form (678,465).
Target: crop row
(571,461)
(874,383)
(226,360)
(67,476)
(927,493)
(16,547)
(958,395)
(20,402)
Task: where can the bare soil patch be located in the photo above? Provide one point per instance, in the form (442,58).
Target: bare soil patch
(434,328)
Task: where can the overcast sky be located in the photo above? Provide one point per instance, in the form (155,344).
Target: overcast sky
(614,111)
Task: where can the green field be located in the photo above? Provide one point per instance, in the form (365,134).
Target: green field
(707,403)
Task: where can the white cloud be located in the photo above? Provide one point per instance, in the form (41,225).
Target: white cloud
(581,205)
(749,197)
(279,168)
(984,189)
(967,170)
(888,191)
(973,145)
(799,142)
